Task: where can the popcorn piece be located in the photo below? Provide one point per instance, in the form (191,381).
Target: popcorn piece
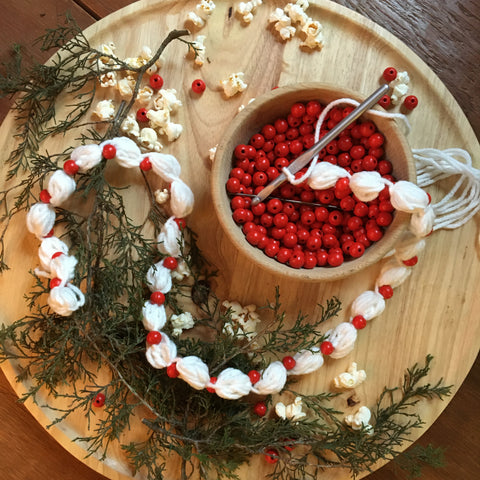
(172,131)
(195,19)
(148,138)
(108,79)
(167,99)
(351,378)
(203,10)
(243,320)
(278,15)
(105,110)
(181,322)
(124,87)
(146,53)
(211,153)
(291,412)
(158,118)
(107,49)
(303,4)
(283,24)
(135,62)
(130,126)
(198,48)
(400,87)
(360,420)
(181,271)
(314,36)
(162,196)
(296,13)
(247,9)
(233,84)
(145,94)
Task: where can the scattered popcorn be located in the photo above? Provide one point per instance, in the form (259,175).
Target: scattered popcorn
(400,87)
(211,153)
(360,420)
(233,84)
(158,118)
(290,412)
(243,320)
(351,378)
(203,10)
(181,322)
(130,126)
(145,94)
(283,24)
(124,86)
(106,49)
(181,271)
(162,196)
(172,131)
(198,48)
(146,53)
(296,13)
(108,79)
(105,110)
(247,9)
(167,99)
(314,36)
(148,138)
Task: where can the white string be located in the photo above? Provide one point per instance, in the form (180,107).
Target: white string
(462,202)
(321,119)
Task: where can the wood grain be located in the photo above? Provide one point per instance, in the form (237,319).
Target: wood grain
(444,247)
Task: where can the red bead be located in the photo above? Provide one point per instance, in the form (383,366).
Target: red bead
(158,298)
(411,261)
(56,254)
(260,409)
(298,110)
(109,151)
(326,347)
(410,102)
(213,380)
(359,322)
(390,74)
(271,456)
(145,164)
(142,115)
(70,167)
(335,258)
(154,338)
(170,263)
(289,362)
(172,371)
(45,196)
(198,86)
(50,234)
(156,81)
(254,376)
(385,101)
(181,223)
(99,400)
(55,282)
(386,291)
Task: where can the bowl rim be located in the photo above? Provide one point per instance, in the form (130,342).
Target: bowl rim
(221,200)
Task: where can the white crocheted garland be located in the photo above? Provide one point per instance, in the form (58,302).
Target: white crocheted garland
(56,264)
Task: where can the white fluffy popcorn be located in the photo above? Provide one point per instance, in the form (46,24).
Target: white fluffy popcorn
(198,48)
(181,322)
(351,378)
(360,420)
(108,79)
(130,126)
(292,412)
(211,153)
(161,196)
(145,94)
(202,11)
(105,110)
(247,9)
(243,320)
(400,87)
(172,131)
(296,13)
(124,87)
(233,84)
(148,138)
(167,99)
(314,35)
(158,118)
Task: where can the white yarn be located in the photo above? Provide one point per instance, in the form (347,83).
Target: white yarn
(63,267)
(40,219)
(232,384)
(407,197)
(162,354)
(127,154)
(87,157)
(422,223)
(325,175)
(393,274)
(60,187)
(342,337)
(164,165)
(273,379)
(170,238)
(462,202)
(154,316)
(306,361)
(367,185)
(181,201)
(65,299)
(193,371)
(47,248)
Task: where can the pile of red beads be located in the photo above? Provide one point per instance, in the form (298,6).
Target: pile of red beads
(299,226)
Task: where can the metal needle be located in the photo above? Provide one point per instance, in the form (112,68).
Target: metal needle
(305,157)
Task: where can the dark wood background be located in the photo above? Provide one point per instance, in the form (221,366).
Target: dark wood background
(446,36)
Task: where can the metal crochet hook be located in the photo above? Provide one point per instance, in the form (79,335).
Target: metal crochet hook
(305,157)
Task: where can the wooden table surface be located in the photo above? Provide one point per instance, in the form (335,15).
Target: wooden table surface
(446,39)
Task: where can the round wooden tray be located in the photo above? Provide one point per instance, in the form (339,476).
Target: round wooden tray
(434,312)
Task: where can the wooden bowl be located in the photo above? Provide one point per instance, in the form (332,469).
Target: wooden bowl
(266,109)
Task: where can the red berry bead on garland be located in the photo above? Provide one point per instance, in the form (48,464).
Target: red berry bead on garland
(327,347)
(410,102)
(411,261)
(158,298)
(145,164)
(99,400)
(198,86)
(213,380)
(170,263)
(359,322)
(181,223)
(390,74)
(109,151)
(260,409)
(156,81)
(271,455)
(289,362)
(70,167)
(386,291)
(254,376)
(172,371)
(45,196)
(142,115)
(154,337)
(55,282)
